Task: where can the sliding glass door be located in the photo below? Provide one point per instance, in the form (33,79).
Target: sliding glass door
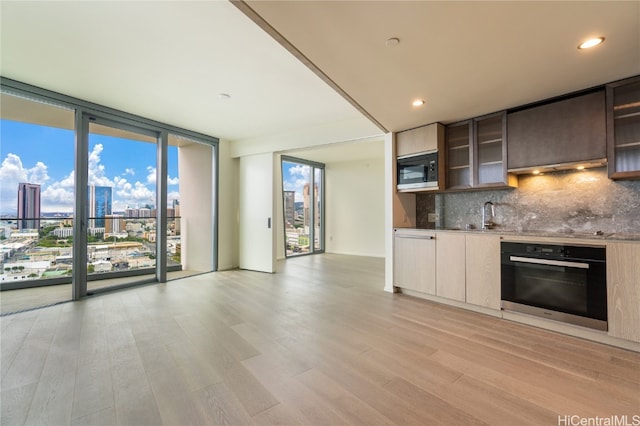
(90,199)
(303,197)
(121,204)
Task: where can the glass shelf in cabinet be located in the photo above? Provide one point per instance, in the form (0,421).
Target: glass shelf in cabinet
(628,145)
(490,141)
(459,147)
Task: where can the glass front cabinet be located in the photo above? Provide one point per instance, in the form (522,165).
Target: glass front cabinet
(623,129)
(477,152)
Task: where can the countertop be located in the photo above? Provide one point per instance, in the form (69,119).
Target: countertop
(547,234)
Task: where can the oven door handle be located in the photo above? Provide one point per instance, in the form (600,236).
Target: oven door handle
(549,262)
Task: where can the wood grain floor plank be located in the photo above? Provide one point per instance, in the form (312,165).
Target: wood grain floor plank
(241,347)
(343,402)
(300,399)
(93,391)
(222,406)
(175,401)
(53,400)
(106,417)
(15,403)
(430,405)
(197,370)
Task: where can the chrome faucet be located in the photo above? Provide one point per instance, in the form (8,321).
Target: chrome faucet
(487,222)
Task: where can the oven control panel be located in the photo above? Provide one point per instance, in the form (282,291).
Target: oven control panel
(554,251)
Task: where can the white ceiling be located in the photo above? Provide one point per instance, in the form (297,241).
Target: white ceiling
(465,58)
(169,61)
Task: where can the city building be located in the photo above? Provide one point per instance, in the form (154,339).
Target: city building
(63,232)
(130,212)
(115,224)
(28,206)
(177,219)
(144,212)
(289,208)
(99,205)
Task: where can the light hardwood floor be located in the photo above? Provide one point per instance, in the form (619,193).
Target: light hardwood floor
(12,301)
(318,343)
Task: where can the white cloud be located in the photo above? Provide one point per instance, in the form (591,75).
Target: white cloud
(13,172)
(97,174)
(55,198)
(120,182)
(174,195)
(151,177)
(59,195)
(68,182)
(298,177)
(38,174)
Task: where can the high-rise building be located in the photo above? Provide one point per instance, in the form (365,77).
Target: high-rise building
(289,208)
(28,206)
(129,212)
(99,205)
(114,224)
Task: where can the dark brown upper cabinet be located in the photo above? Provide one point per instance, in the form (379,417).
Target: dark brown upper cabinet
(476,153)
(570,130)
(623,125)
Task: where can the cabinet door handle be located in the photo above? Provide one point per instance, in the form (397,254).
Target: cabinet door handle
(417,237)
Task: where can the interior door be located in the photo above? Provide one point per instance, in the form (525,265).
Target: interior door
(257,237)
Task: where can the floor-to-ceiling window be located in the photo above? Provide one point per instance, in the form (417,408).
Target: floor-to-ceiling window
(121,204)
(303,195)
(90,198)
(36,199)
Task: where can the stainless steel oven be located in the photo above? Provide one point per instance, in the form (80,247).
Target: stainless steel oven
(561,282)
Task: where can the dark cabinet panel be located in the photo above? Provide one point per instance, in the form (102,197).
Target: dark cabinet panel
(565,131)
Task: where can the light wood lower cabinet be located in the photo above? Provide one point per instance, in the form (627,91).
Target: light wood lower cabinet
(414,260)
(623,290)
(450,266)
(483,270)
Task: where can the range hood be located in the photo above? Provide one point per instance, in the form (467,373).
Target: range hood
(578,165)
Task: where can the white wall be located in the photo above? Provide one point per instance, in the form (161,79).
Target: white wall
(257,241)
(228,173)
(355,207)
(195,162)
(354,129)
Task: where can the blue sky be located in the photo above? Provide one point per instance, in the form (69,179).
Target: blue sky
(45,155)
(294,176)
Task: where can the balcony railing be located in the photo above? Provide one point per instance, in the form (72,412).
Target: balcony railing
(116,246)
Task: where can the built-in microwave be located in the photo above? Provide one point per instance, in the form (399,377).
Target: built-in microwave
(418,171)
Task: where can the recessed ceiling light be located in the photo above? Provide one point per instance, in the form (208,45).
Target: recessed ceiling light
(591,43)
(393,41)
(417,103)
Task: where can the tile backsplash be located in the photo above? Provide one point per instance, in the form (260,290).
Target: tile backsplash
(575,201)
